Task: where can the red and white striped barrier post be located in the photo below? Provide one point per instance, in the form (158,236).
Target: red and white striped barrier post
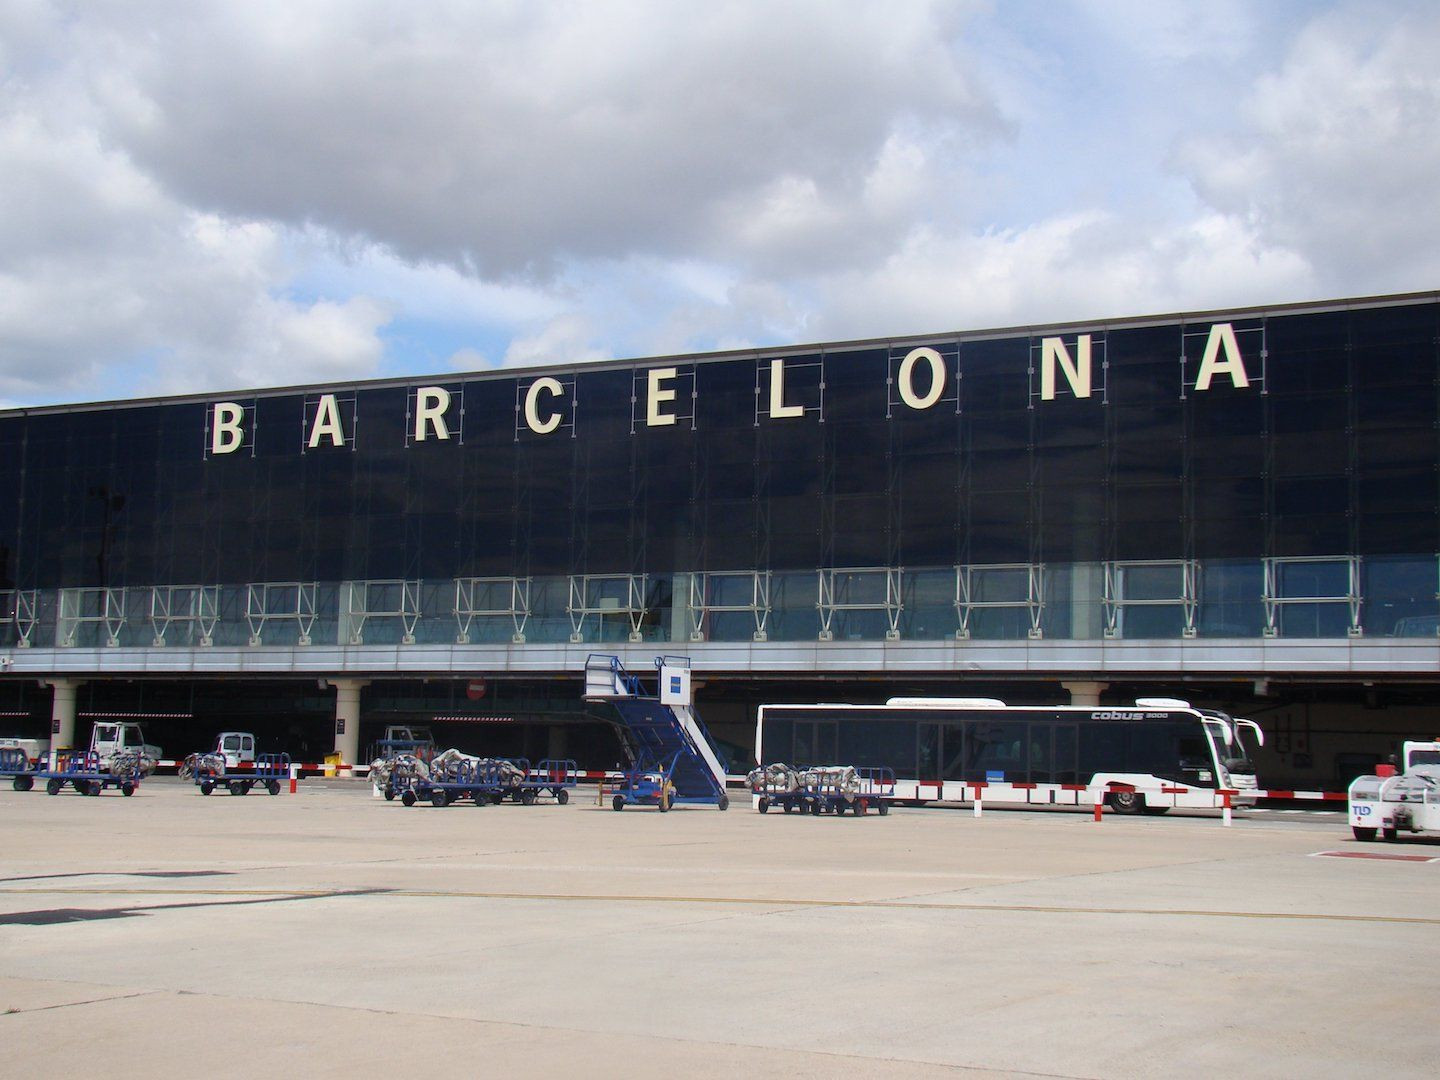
(1099,803)
(294,778)
(1225,808)
(979,798)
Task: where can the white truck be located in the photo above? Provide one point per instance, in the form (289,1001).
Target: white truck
(1408,802)
(238,747)
(109,737)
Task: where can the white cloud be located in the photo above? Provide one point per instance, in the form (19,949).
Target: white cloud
(565,339)
(467,360)
(1339,150)
(1071,267)
(503,138)
(219,194)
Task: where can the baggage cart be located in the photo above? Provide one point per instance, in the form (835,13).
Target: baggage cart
(269,771)
(829,790)
(81,770)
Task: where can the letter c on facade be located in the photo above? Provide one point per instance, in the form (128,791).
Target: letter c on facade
(532,413)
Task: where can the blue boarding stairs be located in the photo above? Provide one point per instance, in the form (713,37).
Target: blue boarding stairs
(673,762)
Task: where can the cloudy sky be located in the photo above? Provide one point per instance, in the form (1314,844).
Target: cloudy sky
(207,194)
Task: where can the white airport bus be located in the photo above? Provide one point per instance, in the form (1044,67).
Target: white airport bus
(1150,757)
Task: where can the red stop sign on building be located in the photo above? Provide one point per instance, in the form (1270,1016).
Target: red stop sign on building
(475,689)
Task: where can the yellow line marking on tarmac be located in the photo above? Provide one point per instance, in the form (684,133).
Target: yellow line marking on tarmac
(748,901)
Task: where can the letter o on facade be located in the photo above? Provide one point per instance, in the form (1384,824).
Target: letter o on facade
(907,375)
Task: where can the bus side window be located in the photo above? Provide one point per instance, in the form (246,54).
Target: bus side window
(778,743)
(1102,747)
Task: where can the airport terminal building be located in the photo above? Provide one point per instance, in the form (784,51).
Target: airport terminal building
(1240,507)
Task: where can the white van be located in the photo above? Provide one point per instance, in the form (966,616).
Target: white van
(109,737)
(237,746)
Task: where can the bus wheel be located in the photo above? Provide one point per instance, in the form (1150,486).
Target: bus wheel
(1390,833)
(1364,834)
(1127,802)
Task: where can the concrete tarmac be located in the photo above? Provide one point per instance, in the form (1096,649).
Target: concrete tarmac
(172,934)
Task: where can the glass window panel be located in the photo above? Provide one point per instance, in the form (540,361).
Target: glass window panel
(1306,579)
(1313,620)
(1000,624)
(1400,598)
(1152,582)
(1167,621)
(1231,599)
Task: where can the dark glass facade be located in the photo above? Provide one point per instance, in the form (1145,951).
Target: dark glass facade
(1306,503)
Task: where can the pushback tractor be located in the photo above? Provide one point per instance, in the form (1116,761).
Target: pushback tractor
(1408,803)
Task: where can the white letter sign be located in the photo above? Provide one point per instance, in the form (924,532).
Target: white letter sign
(327,423)
(532,414)
(1077,372)
(1222,334)
(226,434)
(657,397)
(430,405)
(907,373)
(778,408)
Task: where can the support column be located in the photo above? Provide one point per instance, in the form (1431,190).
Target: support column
(1085,693)
(62,714)
(347,717)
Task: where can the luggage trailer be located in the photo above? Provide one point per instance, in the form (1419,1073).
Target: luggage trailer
(490,781)
(81,770)
(269,771)
(823,792)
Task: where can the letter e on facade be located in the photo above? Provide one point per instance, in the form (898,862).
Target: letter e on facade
(656,396)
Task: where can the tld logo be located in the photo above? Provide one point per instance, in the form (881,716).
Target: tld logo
(1362,811)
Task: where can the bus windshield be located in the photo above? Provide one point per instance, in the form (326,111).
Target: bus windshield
(1240,757)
